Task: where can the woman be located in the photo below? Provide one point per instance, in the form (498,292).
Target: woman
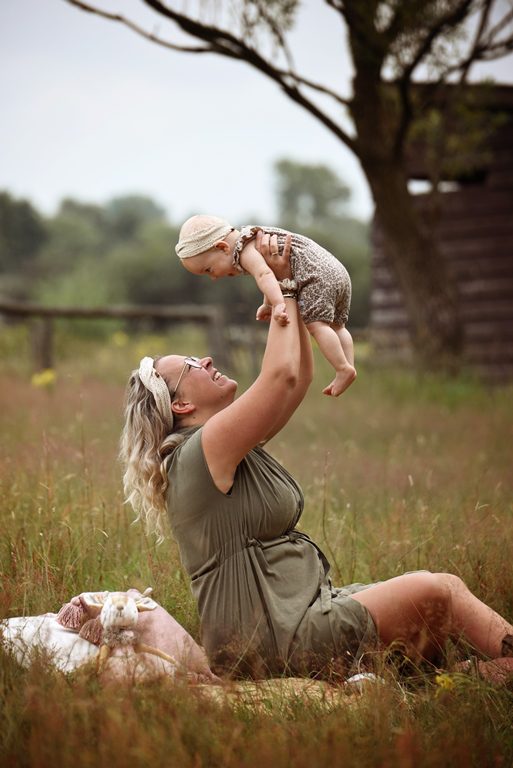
(265,600)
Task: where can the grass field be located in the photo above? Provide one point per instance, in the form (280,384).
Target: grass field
(399,473)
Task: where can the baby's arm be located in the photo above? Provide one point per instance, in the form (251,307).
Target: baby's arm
(254,263)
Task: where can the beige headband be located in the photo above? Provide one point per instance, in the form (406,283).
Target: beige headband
(155,384)
(202,238)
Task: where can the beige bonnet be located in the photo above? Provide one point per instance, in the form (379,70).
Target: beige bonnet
(200,233)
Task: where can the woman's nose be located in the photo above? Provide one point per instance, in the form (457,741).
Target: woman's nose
(206,361)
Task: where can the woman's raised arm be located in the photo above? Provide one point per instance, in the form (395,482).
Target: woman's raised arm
(304,379)
(232,432)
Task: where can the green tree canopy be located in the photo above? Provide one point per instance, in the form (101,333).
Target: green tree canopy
(22,233)
(125,215)
(123,251)
(309,193)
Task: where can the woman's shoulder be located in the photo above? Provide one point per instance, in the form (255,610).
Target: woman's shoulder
(190,485)
(188,446)
(188,466)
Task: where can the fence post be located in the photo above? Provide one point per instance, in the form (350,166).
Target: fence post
(42,343)
(217,341)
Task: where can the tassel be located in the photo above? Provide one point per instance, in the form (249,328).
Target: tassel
(71,616)
(92,631)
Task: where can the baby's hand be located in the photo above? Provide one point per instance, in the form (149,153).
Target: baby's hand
(264,313)
(280,314)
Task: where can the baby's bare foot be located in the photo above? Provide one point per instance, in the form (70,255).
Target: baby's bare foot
(341,382)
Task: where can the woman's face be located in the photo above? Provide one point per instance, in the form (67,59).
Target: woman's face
(203,386)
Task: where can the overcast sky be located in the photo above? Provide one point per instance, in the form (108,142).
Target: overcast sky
(90,110)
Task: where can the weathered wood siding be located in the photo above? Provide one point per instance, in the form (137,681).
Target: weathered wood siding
(475,235)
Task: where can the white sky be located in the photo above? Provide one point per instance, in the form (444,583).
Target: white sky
(90,110)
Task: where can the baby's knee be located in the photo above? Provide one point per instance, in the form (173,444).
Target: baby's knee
(316,327)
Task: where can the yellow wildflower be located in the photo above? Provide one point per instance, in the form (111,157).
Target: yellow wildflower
(44,379)
(119,339)
(445,682)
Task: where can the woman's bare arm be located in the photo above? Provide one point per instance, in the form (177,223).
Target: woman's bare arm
(304,380)
(280,264)
(230,434)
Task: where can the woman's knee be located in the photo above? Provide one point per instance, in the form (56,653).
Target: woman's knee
(433,594)
(413,608)
(451,582)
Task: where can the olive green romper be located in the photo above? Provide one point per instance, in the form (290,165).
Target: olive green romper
(264,598)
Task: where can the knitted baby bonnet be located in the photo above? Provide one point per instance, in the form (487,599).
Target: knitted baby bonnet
(200,233)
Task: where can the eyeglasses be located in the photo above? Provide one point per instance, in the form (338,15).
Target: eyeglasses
(188,363)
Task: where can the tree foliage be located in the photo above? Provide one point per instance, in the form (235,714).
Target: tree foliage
(22,233)
(123,251)
(309,193)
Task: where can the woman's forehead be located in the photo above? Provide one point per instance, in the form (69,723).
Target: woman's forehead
(169,365)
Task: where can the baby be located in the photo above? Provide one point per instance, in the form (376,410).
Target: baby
(211,246)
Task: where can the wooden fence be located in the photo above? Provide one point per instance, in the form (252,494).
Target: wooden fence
(42,331)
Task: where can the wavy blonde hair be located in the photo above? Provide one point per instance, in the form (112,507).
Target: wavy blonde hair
(146,448)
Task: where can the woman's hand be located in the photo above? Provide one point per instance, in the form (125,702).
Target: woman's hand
(267,245)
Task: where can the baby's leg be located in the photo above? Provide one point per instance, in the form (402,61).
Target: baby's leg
(346,340)
(331,347)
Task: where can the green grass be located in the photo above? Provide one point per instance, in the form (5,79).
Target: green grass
(399,473)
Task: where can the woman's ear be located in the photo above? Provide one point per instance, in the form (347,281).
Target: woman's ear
(182,407)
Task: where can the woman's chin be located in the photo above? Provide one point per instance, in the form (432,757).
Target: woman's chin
(224,381)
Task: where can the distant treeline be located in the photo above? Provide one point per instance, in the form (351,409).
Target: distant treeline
(123,251)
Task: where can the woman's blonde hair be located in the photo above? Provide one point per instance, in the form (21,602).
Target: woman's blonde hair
(146,448)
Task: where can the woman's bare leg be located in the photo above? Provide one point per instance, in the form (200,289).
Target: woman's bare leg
(423,609)
(475,621)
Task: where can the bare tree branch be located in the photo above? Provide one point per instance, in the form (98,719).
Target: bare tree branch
(337,5)
(276,31)
(494,31)
(485,15)
(226,44)
(137,29)
(485,50)
(299,80)
(497,51)
(491,48)
(447,21)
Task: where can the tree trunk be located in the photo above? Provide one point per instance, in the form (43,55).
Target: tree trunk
(429,294)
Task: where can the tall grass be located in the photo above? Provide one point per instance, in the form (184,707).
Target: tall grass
(399,473)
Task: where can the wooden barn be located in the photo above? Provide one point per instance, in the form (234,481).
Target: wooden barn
(474,230)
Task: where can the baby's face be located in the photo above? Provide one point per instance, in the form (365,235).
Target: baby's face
(215,263)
